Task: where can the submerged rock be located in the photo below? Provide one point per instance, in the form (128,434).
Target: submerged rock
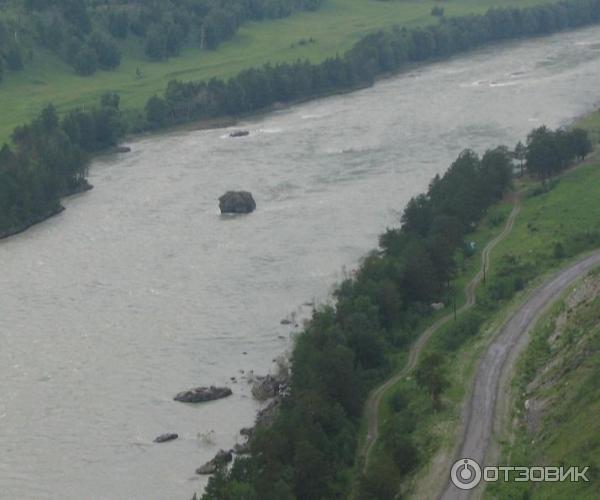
(202,394)
(237,202)
(221,459)
(163,438)
(122,149)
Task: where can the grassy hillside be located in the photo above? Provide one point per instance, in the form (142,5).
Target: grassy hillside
(558,403)
(334,28)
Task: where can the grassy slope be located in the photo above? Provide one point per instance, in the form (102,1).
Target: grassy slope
(558,377)
(335,27)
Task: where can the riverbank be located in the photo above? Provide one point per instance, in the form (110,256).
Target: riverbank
(529,254)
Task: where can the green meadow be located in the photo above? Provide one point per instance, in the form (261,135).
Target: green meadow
(334,28)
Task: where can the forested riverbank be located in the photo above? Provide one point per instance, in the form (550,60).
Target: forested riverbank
(350,346)
(374,55)
(50,159)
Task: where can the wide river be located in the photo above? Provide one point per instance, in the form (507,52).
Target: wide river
(141,289)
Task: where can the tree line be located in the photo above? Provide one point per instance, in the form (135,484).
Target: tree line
(549,152)
(375,54)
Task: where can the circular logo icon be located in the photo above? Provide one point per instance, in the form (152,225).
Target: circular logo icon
(465,474)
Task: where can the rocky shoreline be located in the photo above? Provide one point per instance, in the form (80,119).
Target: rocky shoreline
(272,388)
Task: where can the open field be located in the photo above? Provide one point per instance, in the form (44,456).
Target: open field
(335,27)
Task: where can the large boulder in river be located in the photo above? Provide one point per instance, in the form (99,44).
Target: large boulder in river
(202,394)
(237,202)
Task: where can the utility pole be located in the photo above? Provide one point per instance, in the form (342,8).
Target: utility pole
(454,304)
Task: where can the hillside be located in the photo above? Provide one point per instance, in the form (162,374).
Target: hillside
(49,75)
(556,410)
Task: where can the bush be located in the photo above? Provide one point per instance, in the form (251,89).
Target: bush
(466,326)
(86,61)
(398,401)
(559,251)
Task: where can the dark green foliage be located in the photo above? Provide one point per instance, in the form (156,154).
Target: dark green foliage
(85,61)
(14,60)
(551,151)
(13,45)
(118,24)
(431,375)
(107,53)
(157,112)
(381,482)
(398,401)
(466,326)
(49,160)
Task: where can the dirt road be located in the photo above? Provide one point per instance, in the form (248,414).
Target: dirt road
(496,364)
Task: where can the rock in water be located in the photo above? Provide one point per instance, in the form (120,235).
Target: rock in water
(222,458)
(265,388)
(163,438)
(237,202)
(239,133)
(202,394)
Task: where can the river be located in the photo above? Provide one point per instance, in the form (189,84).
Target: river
(141,288)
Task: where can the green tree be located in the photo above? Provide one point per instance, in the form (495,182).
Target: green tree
(431,375)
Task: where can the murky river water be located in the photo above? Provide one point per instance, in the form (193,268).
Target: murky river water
(141,289)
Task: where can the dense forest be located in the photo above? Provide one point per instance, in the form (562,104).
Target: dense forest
(85,33)
(346,348)
(49,160)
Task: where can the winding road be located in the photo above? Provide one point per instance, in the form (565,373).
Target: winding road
(497,362)
(374,399)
